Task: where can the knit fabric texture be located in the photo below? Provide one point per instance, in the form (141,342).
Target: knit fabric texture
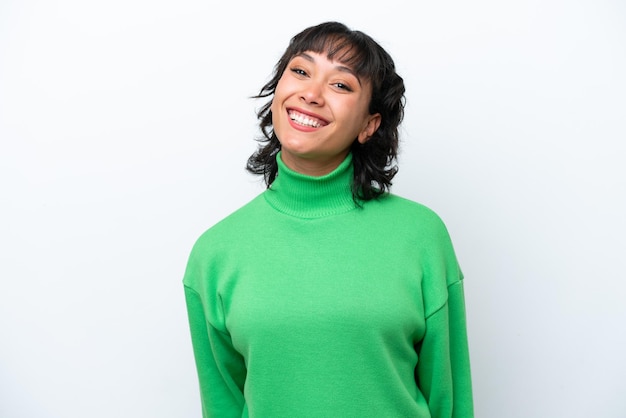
(304,304)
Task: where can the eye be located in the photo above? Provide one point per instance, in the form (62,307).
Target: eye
(342,86)
(299,71)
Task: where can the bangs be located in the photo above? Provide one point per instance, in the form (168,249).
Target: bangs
(348,50)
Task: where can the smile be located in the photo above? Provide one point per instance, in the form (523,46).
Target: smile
(305,120)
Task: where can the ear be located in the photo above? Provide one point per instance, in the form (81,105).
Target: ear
(373,122)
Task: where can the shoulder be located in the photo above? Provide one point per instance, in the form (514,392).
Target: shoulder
(410,206)
(409,213)
(231,227)
(426,230)
(221,243)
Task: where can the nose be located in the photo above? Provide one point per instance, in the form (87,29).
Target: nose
(312,93)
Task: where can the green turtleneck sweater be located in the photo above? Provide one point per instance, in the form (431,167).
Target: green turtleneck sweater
(302,304)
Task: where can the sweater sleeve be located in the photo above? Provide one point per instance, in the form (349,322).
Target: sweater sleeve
(221,369)
(443,372)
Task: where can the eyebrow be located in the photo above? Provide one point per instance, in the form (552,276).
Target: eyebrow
(341,68)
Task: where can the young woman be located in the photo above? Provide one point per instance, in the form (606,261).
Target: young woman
(326,295)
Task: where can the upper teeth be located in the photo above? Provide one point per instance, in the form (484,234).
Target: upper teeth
(304,120)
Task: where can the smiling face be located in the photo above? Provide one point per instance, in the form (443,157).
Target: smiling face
(320,107)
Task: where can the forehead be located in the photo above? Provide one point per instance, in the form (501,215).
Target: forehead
(346,48)
(336,48)
(341,49)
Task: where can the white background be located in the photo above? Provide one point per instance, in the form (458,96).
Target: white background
(124,131)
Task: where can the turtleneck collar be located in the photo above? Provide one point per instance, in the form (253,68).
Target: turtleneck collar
(304,196)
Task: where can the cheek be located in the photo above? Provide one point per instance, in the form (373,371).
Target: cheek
(278,117)
(278,99)
(352,115)
(282,87)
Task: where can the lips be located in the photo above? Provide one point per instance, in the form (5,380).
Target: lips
(305,119)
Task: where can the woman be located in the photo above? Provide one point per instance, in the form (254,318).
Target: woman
(326,295)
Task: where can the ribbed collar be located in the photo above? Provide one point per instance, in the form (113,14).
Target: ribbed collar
(309,197)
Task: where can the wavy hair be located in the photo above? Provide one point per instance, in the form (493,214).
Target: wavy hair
(375,160)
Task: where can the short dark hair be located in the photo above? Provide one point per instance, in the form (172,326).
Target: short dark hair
(375,160)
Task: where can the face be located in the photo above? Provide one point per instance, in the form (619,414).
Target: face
(319,108)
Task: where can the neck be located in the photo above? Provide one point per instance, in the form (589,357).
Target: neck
(312,166)
(308,196)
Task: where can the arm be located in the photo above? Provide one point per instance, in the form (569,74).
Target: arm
(443,371)
(221,369)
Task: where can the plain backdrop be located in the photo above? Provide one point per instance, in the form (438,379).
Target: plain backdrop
(124,131)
